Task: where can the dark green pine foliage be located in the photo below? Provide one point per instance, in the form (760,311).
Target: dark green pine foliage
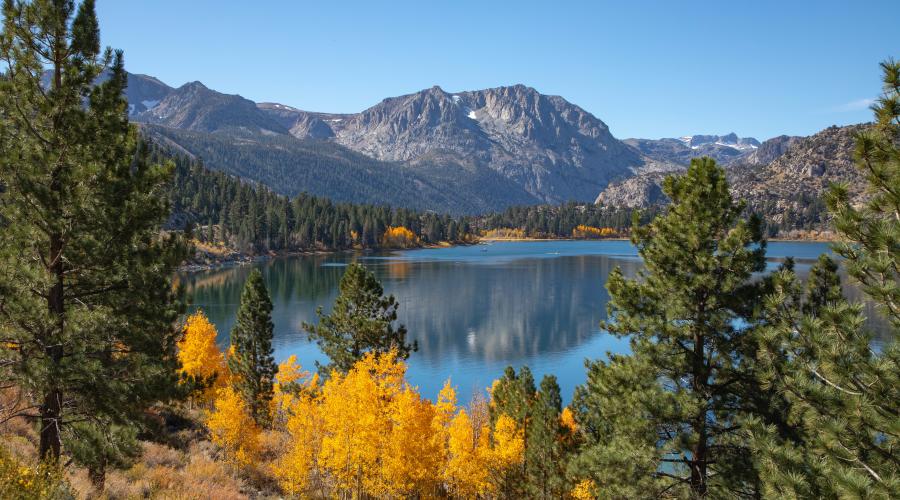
(252,218)
(87,309)
(251,363)
(361,321)
(843,392)
(548,221)
(513,395)
(663,420)
(105,448)
(545,454)
(823,287)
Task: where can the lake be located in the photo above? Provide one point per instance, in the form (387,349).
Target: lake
(473,309)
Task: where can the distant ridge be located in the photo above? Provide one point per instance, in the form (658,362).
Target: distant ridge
(462,152)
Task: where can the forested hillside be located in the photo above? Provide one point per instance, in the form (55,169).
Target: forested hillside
(219,208)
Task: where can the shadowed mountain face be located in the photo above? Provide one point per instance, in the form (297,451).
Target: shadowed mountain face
(488,148)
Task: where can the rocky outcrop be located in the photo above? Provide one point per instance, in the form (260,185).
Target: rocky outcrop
(640,191)
(807,167)
(553,149)
(769,150)
(801,169)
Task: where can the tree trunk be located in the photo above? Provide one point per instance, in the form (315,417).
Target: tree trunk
(699,451)
(97,474)
(52,406)
(50,438)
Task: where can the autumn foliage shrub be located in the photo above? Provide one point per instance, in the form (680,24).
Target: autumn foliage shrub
(582,231)
(21,481)
(399,237)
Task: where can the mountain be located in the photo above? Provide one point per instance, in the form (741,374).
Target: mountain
(195,107)
(472,152)
(673,152)
(554,150)
(808,167)
(769,151)
(781,177)
(490,148)
(291,166)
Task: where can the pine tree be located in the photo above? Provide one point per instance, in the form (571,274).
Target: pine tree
(823,287)
(513,396)
(544,460)
(842,390)
(251,365)
(87,309)
(361,321)
(664,418)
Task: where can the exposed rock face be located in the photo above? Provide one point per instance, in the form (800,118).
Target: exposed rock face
(470,151)
(195,107)
(769,150)
(808,166)
(724,149)
(547,148)
(800,169)
(555,150)
(144,92)
(640,191)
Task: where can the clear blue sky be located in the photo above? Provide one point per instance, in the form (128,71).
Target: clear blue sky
(648,69)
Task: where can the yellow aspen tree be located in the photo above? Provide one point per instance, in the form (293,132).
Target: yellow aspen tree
(508,447)
(289,382)
(356,422)
(399,237)
(200,357)
(297,470)
(412,460)
(444,409)
(466,474)
(232,428)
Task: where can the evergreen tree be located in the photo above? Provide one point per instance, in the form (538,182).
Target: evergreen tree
(664,419)
(361,321)
(823,287)
(251,364)
(513,395)
(544,459)
(842,390)
(87,309)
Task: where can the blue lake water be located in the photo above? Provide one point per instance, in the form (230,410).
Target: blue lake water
(473,309)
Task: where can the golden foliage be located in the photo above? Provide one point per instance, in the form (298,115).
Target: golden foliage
(584,490)
(567,420)
(289,383)
(295,468)
(509,445)
(199,355)
(232,428)
(505,233)
(21,481)
(399,237)
(587,232)
(474,462)
(369,433)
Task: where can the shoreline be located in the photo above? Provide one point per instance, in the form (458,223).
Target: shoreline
(244,259)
